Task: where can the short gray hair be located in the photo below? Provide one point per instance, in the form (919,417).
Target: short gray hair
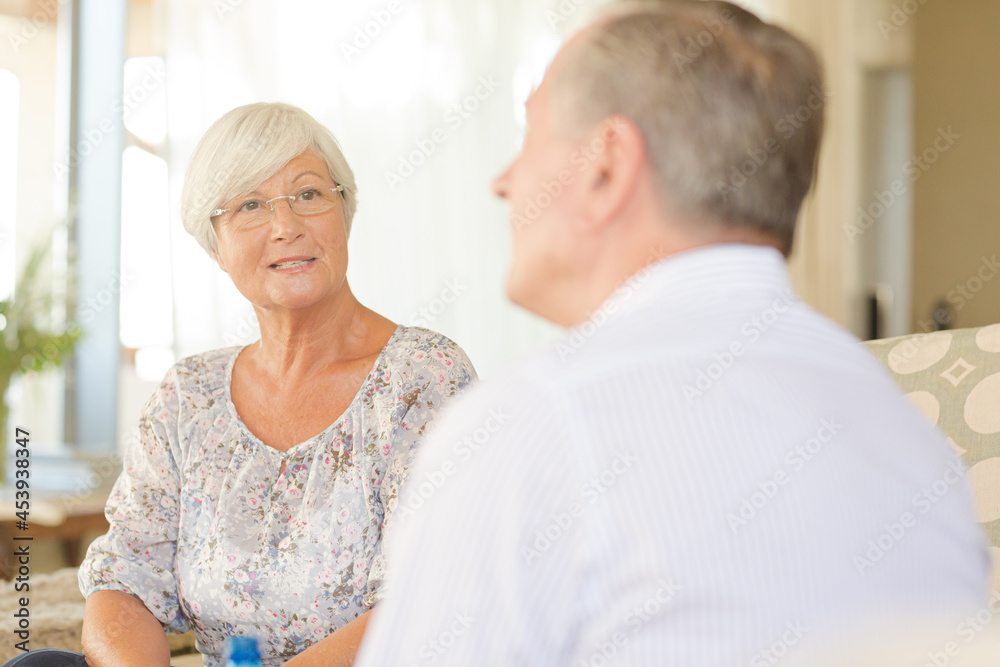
(247,146)
(731,108)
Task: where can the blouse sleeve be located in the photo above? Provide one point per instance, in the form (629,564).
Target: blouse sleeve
(136,555)
(437,374)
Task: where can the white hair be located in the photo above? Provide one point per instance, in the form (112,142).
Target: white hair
(244,148)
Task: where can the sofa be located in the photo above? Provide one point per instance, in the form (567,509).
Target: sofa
(953,377)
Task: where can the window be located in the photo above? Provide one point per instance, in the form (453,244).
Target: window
(9,93)
(146,295)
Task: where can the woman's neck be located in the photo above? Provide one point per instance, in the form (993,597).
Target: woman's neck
(296,343)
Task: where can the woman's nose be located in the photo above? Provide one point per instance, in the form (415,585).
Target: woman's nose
(286,224)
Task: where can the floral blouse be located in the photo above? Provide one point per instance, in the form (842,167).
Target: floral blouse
(214,530)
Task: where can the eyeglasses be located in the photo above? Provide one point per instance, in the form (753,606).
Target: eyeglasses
(251,212)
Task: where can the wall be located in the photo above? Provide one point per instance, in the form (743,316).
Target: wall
(823,265)
(956,203)
(839,258)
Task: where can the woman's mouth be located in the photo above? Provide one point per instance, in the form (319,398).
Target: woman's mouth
(291,263)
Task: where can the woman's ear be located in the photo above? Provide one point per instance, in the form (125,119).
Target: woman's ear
(218,259)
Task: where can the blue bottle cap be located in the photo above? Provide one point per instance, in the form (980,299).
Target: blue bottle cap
(241,648)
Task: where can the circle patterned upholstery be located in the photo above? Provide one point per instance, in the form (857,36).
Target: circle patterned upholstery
(953,377)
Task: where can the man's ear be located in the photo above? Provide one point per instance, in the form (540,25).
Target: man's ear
(618,157)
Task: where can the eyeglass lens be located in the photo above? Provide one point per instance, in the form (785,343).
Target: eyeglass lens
(307,201)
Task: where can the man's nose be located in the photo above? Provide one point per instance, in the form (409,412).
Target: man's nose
(500,184)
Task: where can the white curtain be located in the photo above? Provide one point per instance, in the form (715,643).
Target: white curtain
(385,76)
(430,244)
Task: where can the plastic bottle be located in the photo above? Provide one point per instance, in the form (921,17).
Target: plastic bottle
(242,652)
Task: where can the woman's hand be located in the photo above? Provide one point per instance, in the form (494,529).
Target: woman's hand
(336,650)
(118,631)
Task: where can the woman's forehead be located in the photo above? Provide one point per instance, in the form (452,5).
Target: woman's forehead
(307,165)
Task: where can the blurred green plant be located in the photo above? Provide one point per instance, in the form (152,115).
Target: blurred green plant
(31,341)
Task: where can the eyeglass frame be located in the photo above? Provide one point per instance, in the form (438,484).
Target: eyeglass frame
(270,202)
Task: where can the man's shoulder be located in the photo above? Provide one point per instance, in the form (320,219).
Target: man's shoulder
(532,408)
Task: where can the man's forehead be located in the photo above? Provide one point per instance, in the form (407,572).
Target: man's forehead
(570,50)
(540,88)
(559,62)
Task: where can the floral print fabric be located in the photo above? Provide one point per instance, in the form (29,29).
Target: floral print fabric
(214,530)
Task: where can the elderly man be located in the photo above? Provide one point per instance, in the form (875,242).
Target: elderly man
(706,471)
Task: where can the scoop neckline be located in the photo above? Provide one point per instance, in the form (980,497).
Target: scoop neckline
(231,363)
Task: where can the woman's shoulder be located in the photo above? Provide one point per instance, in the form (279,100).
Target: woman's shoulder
(206,370)
(422,351)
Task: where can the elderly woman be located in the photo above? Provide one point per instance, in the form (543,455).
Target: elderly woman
(264,479)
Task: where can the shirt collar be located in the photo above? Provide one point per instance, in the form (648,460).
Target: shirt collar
(713,271)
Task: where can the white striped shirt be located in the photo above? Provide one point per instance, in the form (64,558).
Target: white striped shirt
(706,473)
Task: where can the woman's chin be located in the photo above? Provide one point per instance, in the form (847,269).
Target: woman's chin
(296,302)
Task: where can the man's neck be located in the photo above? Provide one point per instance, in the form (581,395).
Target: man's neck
(614,267)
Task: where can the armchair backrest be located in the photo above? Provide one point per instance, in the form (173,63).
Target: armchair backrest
(954,378)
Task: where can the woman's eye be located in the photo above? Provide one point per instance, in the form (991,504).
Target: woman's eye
(251,205)
(308,195)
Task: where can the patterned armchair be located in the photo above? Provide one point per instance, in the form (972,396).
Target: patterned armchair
(954,378)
